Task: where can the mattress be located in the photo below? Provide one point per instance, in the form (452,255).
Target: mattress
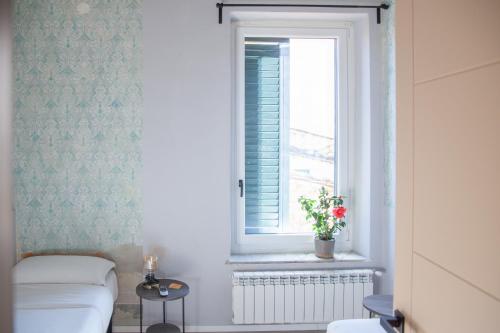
(62,308)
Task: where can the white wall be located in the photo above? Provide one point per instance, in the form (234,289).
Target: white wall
(186,150)
(187,154)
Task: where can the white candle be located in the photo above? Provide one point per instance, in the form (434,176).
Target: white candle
(150,263)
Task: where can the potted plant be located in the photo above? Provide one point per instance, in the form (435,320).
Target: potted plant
(328,216)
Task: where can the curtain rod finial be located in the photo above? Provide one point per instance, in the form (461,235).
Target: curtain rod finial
(220,5)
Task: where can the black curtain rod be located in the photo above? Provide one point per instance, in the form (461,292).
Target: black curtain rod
(220,6)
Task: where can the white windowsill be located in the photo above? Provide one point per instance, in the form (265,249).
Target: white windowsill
(296,258)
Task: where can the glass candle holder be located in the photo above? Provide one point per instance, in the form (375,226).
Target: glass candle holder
(150,267)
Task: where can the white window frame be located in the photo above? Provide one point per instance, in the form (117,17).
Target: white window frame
(342,31)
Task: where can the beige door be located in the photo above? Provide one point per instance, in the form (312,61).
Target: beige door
(448,165)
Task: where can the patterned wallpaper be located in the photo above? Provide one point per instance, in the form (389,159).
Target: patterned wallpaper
(389,106)
(78,127)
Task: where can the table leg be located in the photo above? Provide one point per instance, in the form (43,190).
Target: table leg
(140,315)
(164,312)
(183,324)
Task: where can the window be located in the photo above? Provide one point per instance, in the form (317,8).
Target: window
(292,128)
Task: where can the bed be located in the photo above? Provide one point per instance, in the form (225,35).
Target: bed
(59,294)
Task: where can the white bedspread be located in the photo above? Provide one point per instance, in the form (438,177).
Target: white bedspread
(62,308)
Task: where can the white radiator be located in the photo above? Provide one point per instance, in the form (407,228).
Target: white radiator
(300,296)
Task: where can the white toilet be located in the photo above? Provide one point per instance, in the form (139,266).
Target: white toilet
(356,326)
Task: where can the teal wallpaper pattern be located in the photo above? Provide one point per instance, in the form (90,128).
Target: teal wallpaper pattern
(77,124)
(389,105)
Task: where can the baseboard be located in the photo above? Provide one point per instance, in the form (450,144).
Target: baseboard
(234,328)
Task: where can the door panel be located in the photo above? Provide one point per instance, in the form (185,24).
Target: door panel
(442,302)
(453,35)
(457,174)
(447,276)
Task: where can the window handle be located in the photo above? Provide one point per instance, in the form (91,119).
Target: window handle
(241,186)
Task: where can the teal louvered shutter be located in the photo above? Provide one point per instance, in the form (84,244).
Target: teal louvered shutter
(262,137)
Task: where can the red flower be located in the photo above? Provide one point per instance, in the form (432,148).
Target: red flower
(339,212)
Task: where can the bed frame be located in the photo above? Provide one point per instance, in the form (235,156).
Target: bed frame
(99,254)
(110,326)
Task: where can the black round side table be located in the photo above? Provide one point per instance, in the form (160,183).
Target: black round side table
(154,295)
(379,304)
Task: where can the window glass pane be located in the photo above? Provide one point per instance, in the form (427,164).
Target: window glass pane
(311,145)
(290,103)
